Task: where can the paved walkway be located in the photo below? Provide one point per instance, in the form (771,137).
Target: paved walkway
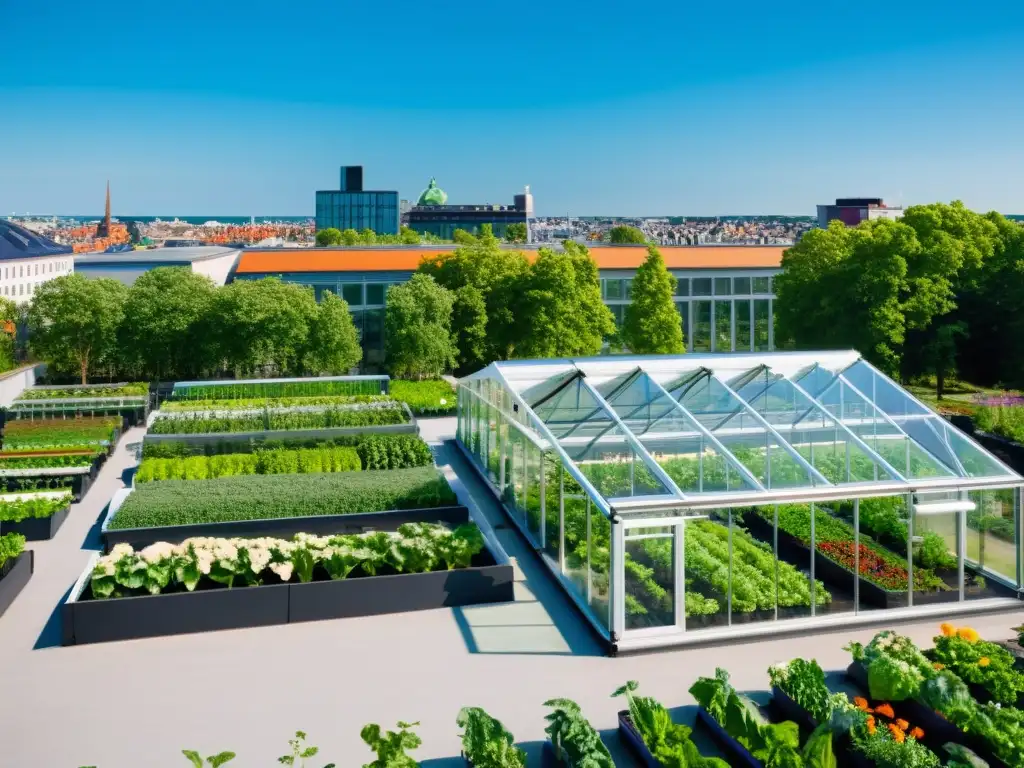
(138,703)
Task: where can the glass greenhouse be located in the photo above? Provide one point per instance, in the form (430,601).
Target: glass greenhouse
(683,498)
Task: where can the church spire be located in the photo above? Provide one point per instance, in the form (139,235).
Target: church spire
(103,228)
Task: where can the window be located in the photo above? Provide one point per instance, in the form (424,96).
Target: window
(701,286)
(723,286)
(352,293)
(762,285)
(682,286)
(723,326)
(683,307)
(37,269)
(743,325)
(627,288)
(702,326)
(613,289)
(21,289)
(741,286)
(375,293)
(21,270)
(761,314)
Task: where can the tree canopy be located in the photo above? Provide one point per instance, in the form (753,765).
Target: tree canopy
(652,324)
(329,236)
(333,346)
(417,328)
(624,235)
(516,232)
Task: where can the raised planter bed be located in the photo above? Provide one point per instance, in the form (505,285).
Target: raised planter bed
(790,710)
(78,479)
(737,753)
(793,550)
(635,742)
(284,434)
(37,528)
(1012,453)
(86,620)
(14,575)
(1014,648)
(279,527)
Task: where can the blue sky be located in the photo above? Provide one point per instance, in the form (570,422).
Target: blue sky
(657,108)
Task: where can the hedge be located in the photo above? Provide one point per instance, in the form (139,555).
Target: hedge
(261,497)
(277,462)
(424,397)
(348,417)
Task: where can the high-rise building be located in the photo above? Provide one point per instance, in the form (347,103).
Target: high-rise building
(853,210)
(352,207)
(432,215)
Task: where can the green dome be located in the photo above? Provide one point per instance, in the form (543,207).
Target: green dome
(433,195)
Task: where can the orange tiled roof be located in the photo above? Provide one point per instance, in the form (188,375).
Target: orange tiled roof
(357,259)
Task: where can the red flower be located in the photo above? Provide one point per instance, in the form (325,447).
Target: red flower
(872,566)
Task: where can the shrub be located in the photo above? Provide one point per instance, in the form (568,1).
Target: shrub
(394,452)
(424,397)
(11,545)
(260,497)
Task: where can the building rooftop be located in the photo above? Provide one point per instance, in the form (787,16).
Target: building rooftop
(17,242)
(389,258)
(175,255)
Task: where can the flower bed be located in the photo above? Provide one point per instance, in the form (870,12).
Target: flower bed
(435,397)
(251,403)
(41,433)
(261,497)
(173,589)
(16,566)
(37,518)
(988,668)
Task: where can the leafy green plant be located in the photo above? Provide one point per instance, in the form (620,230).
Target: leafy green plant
(394,452)
(804,682)
(11,545)
(215,761)
(134,389)
(37,433)
(981,663)
(300,752)
(390,746)
(433,397)
(279,420)
(279,461)
(268,402)
(16,510)
(269,388)
(574,739)
(47,462)
(668,742)
(486,743)
(260,497)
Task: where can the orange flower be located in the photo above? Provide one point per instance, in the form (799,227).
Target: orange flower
(897,733)
(947,629)
(984,661)
(917,734)
(902,724)
(885,710)
(939,665)
(871,725)
(968,634)
(861,703)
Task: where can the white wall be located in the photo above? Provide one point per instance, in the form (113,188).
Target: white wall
(19,278)
(218,268)
(13,383)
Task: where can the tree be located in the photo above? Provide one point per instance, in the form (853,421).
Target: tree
(623,235)
(367,236)
(349,237)
(408,236)
(9,317)
(561,311)
(516,232)
(162,336)
(417,329)
(262,325)
(652,324)
(940,353)
(333,346)
(329,236)
(73,322)
(469,328)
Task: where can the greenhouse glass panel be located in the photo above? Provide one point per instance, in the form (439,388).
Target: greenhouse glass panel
(552,507)
(599,566)
(533,492)
(650,578)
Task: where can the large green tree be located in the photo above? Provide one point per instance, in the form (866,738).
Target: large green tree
(163,335)
(652,324)
(333,346)
(469,328)
(73,322)
(417,329)
(625,235)
(561,309)
(329,236)
(516,232)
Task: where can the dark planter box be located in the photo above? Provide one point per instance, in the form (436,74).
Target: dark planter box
(37,528)
(635,743)
(738,754)
(373,595)
(286,527)
(14,575)
(1015,649)
(1010,452)
(790,710)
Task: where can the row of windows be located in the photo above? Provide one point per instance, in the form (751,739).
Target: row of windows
(734,325)
(19,271)
(20,290)
(355,294)
(620,289)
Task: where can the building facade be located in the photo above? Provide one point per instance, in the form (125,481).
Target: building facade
(853,210)
(214,261)
(27,260)
(433,216)
(352,207)
(724,294)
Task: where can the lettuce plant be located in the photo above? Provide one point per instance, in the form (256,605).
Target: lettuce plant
(390,746)
(486,743)
(215,761)
(17,510)
(11,545)
(575,741)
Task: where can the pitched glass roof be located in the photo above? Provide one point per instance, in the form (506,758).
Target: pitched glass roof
(741,427)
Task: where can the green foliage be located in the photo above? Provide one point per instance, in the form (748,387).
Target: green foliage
(46,462)
(433,397)
(516,232)
(390,746)
(97,391)
(328,236)
(16,510)
(394,452)
(669,742)
(73,322)
(574,739)
(981,663)
(334,346)
(262,389)
(486,743)
(11,545)
(260,497)
(417,328)
(20,434)
(267,462)
(300,753)
(215,761)
(1003,420)
(162,336)
(381,414)
(256,403)
(652,324)
(469,327)
(804,682)
(624,235)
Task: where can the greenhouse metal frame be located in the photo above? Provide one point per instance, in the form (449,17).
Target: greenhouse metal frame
(682,499)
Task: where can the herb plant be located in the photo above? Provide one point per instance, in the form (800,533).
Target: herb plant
(300,752)
(390,746)
(11,545)
(16,510)
(433,397)
(301,461)
(38,433)
(979,662)
(279,420)
(215,761)
(106,390)
(575,741)
(486,743)
(251,403)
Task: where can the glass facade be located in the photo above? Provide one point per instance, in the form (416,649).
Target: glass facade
(358,210)
(642,486)
(443,223)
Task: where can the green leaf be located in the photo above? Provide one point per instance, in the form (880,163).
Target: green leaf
(218,760)
(194,757)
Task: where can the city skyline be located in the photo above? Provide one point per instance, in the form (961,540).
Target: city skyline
(768,115)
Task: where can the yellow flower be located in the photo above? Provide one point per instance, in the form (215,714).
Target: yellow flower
(968,634)
(984,661)
(938,665)
(947,629)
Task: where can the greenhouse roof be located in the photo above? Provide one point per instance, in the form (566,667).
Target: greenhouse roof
(644,432)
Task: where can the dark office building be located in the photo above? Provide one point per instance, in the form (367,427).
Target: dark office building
(352,207)
(431,214)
